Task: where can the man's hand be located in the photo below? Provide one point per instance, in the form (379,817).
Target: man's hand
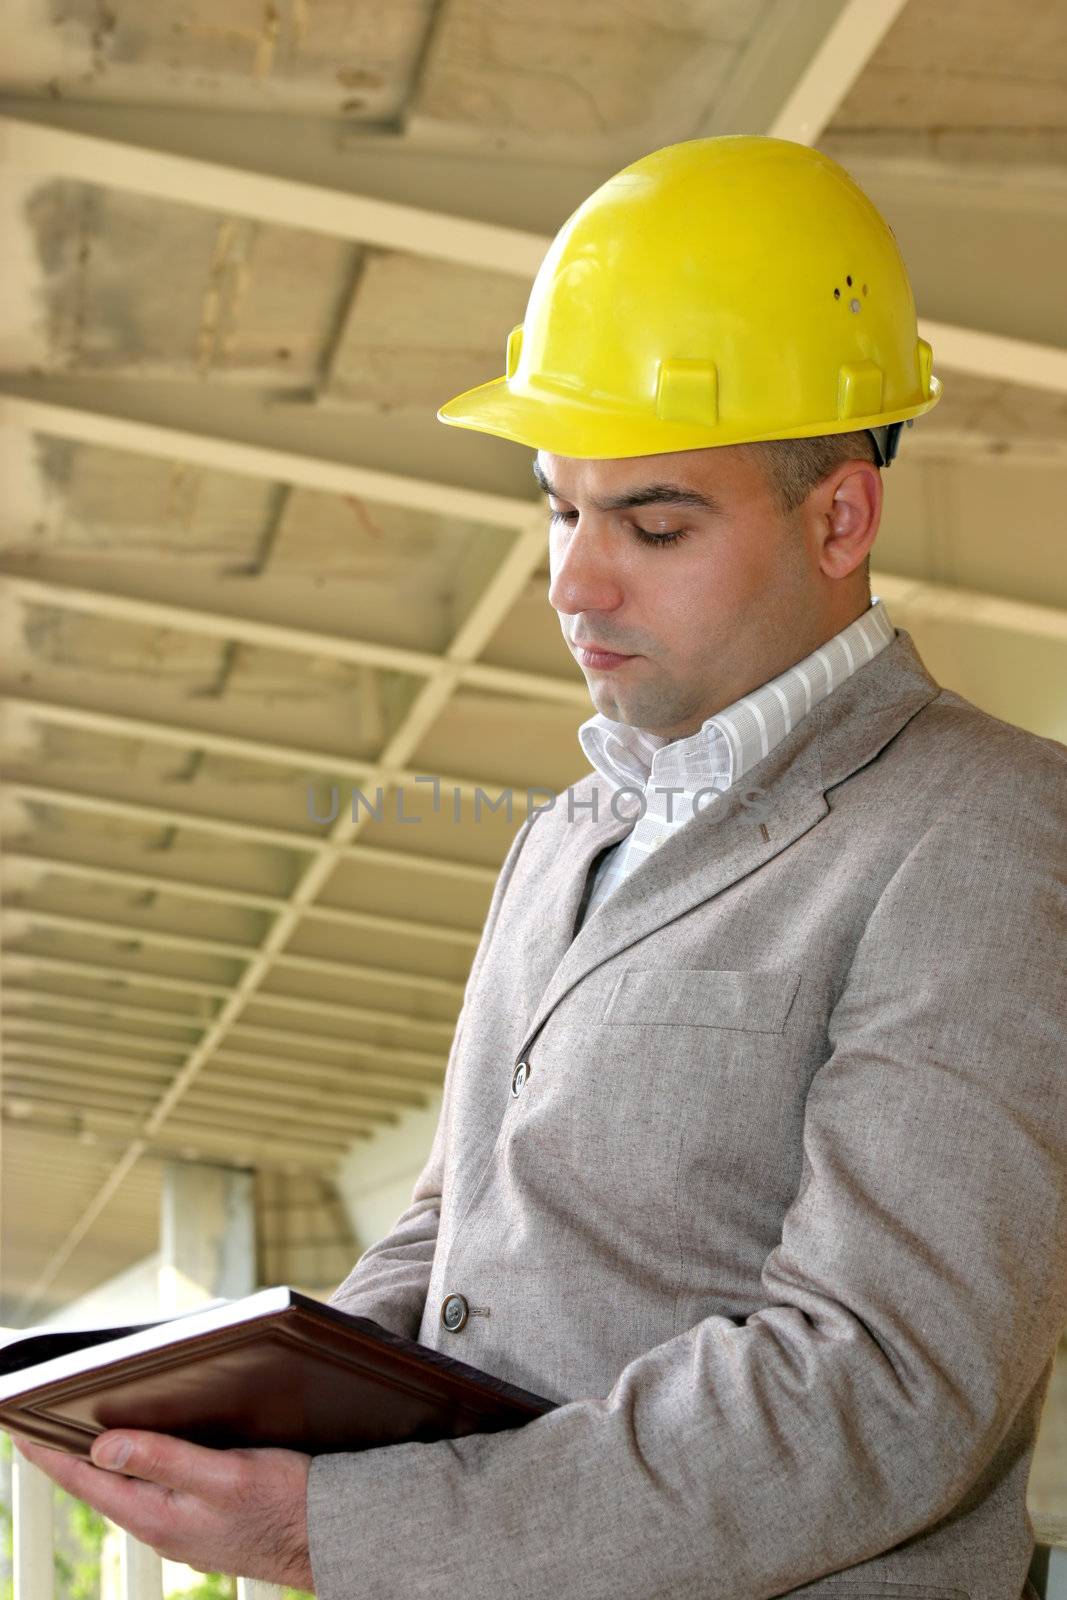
(234,1511)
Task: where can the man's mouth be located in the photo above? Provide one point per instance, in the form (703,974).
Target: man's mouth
(598,659)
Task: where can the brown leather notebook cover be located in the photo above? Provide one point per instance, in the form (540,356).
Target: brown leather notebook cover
(275,1368)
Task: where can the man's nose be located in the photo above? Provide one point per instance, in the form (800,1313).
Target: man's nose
(584,572)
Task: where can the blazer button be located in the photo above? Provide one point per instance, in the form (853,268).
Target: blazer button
(454,1312)
(522,1072)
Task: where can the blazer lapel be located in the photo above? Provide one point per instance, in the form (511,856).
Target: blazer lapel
(546,937)
(785,795)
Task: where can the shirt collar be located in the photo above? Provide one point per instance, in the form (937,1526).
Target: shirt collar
(734,739)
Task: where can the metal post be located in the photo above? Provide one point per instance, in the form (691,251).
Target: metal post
(141,1571)
(34,1531)
(1056,1582)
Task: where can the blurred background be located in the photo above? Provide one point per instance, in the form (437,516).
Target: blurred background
(249,247)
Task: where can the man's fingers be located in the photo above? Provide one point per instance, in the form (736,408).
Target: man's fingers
(155,1458)
(172,1463)
(70,1473)
(146,1494)
(217,1510)
(121,1499)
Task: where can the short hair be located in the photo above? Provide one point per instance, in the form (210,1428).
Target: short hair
(793,467)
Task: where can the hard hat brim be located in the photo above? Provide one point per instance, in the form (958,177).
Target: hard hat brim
(567,427)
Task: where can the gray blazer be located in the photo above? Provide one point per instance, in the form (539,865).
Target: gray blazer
(780,1209)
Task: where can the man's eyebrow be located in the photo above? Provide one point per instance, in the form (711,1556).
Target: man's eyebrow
(646,494)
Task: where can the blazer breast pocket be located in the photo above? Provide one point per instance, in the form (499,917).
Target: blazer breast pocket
(753,1000)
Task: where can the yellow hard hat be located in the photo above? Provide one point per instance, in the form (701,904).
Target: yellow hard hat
(715,292)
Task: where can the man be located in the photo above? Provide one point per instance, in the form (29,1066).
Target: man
(753,1149)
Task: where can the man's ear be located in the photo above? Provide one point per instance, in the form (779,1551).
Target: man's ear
(850,510)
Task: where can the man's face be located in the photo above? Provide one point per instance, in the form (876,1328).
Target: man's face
(701,602)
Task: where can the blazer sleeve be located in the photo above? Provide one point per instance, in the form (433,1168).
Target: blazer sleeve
(389,1281)
(912,1303)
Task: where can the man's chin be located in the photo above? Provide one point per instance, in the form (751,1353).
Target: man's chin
(610,706)
(632,703)
(648,718)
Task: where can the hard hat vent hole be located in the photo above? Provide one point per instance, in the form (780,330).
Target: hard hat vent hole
(865,288)
(849,282)
(837,294)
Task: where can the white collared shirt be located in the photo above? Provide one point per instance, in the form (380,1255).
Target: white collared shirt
(720,753)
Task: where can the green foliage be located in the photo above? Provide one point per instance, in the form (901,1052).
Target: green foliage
(212,1586)
(81,1576)
(7,1536)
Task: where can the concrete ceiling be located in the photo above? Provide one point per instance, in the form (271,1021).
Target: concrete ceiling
(249,249)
